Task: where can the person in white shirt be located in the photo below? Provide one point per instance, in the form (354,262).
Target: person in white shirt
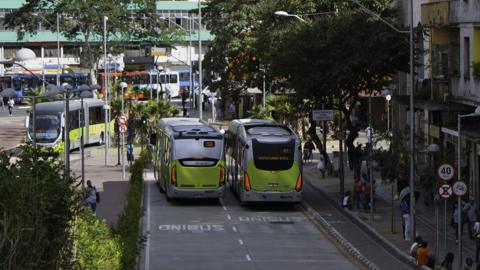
(10,103)
(91,196)
(476,234)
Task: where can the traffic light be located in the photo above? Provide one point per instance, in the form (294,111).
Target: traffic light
(253,63)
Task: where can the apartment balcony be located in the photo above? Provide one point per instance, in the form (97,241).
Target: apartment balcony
(435,13)
(464,11)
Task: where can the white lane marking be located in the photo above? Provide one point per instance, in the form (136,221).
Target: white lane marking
(240,241)
(234,228)
(223,204)
(229,217)
(147,244)
(248,257)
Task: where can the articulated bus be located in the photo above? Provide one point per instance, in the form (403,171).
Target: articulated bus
(189,159)
(264,161)
(50,123)
(25,83)
(146,79)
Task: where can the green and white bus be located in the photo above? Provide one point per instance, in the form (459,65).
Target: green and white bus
(189,160)
(50,123)
(264,161)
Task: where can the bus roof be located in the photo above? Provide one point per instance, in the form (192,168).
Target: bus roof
(260,128)
(55,107)
(188,128)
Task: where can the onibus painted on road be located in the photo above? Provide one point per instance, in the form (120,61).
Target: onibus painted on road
(263,161)
(50,123)
(189,159)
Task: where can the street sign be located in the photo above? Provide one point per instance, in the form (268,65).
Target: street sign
(122,120)
(122,128)
(459,188)
(445,191)
(446,172)
(322,115)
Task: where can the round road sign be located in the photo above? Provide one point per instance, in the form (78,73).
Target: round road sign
(122,119)
(459,188)
(123,128)
(446,172)
(445,191)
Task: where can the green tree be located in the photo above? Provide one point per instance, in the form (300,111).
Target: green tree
(36,209)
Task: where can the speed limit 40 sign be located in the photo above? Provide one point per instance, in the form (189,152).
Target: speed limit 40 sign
(446,172)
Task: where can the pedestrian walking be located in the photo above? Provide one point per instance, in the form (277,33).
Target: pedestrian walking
(92,196)
(468,264)
(454,222)
(10,103)
(414,246)
(447,263)
(476,233)
(321,166)
(471,213)
(405,212)
(424,255)
(233,111)
(357,192)
(366,189)
(346,201)
(308,151)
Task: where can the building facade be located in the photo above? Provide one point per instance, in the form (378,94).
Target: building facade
(179,15)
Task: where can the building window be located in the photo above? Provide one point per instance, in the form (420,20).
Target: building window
(50,52)
(466,57)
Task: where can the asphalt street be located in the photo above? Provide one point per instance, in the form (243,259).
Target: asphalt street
(212,234)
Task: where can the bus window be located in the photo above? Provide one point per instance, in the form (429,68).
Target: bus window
(47,128)
(192,149)
(184,77)
(173,78)
(268,130)
(273,156)
(162,78)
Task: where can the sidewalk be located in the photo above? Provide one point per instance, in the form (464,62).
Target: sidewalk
(426,223)
(107,179)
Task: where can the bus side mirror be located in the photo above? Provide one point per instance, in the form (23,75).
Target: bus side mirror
(27,122)
(153,139)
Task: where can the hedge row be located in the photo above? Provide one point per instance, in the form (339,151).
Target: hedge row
(128,225)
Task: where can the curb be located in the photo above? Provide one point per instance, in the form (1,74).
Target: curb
(346,246)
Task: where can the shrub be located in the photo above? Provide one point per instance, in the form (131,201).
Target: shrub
(97,247)
(36,209)
(128,226)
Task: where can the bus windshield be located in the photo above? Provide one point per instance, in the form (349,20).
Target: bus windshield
(193,149)
(273,156)
(47,128)
(268,130)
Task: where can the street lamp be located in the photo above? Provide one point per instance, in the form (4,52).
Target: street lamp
(85,92)
(387,95)
(58,42)
(105,76)
(200,86)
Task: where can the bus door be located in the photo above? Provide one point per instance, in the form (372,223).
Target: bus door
(85,123)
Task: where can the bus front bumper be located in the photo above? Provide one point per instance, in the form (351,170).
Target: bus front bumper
(175,192)
(260,196)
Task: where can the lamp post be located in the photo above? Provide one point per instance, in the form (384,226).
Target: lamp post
(58,42)
(200,86)
(105,86)
(84,93)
